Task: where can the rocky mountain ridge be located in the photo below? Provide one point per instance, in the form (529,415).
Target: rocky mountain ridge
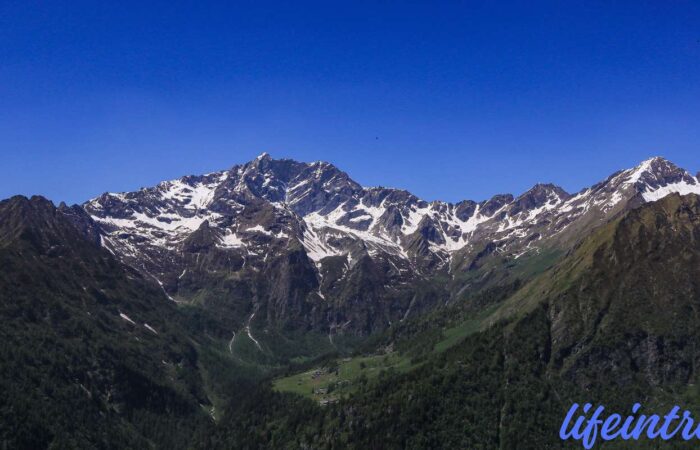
(331,254)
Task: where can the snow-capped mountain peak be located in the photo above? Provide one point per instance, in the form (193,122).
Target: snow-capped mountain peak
(657,177)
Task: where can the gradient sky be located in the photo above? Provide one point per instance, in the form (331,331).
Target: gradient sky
(450,100)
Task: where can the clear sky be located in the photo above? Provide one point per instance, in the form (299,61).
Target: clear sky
(450,100)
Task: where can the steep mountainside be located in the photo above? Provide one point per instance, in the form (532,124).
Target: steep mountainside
(282,245)
(626,302)
(93,355)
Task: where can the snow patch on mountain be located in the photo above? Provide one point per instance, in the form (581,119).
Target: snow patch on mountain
(682,188)
(125,317)
(195,196)
(231,240)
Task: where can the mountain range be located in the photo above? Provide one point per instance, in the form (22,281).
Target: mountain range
(302,245)
(149,318)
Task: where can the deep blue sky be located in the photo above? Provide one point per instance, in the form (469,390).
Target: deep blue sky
(450,100)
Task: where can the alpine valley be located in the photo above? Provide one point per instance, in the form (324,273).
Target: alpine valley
(280,304)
